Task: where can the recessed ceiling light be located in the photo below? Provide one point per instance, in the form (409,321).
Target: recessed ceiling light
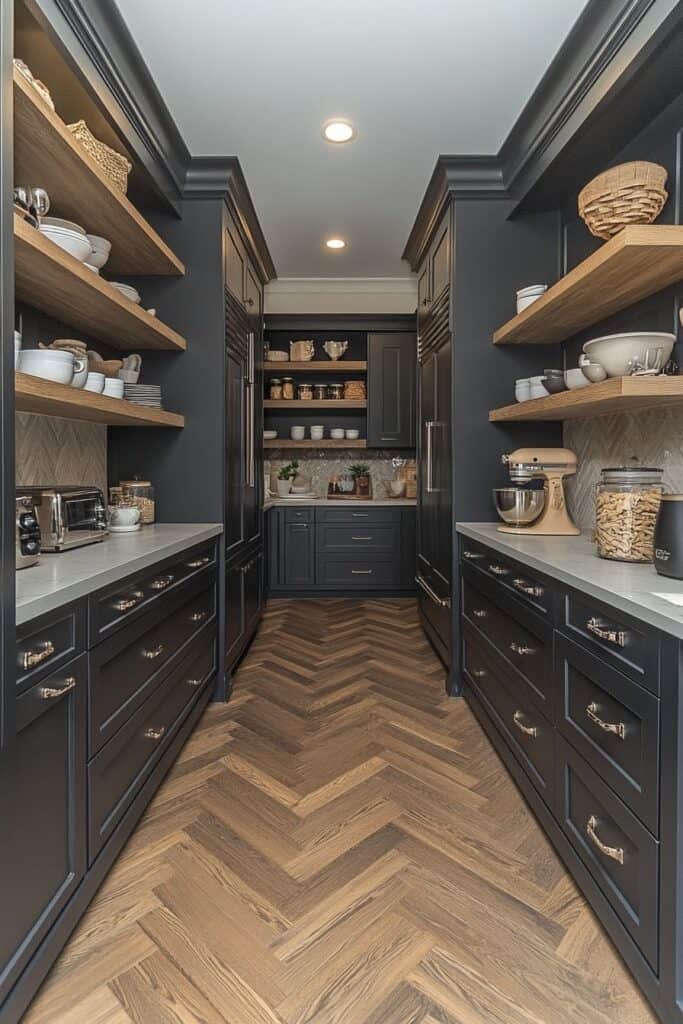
(335,243)
(338,129)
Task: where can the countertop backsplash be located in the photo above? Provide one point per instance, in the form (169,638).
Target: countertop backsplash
(651,438)
(57,451)
(318,467)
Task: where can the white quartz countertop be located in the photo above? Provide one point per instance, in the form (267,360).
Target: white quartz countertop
(67,575)
(332,502)
(637,590)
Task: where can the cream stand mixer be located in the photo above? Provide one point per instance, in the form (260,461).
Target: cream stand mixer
(540,513)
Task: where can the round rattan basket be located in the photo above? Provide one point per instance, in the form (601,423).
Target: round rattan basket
(632,193)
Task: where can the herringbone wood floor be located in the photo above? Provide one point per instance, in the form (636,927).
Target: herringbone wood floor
(339,844)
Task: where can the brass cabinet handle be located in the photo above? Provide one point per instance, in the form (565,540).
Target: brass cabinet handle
(613,636)
(613,852)
(162,582)
(478,673)
(471,555)
(50,692)
(198,616)
(154,653)
(37,656)
(479,613)
(443,602)
(361,572)
(360,538)
(155,734)
(125,604)
(498,570)
(520,648)
(199,562)
(528,730)
(527,588)
(194,682)
(618,728)
(359,515)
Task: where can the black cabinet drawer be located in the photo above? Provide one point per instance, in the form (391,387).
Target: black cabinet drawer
(357,572)
(527,732)
(623,642)
(384,538)
(614,724)
(121,767)
(524,640)
(530,587)
(46,643)
(115,606)
(128,666)
(617,849)
(355,515)
(298,515)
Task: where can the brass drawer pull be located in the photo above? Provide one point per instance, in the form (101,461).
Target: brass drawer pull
(36,657)
(478,673)
(198,616)
(471,555)
(520,648)
(361,538)
(125,604)
(359,515)
(199,562)
(155,653)
(613,852)
(618,728)
(479,613)
(50,692)
(443,602)
(498,570)
(527,588)
(361,572)
(155,734)
(194,682)
(162,582)
(528,730)
(613,636)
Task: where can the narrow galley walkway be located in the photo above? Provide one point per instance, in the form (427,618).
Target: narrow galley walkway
(339,845)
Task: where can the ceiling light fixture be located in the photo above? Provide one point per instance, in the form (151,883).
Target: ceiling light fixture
(335,243)
(338,130)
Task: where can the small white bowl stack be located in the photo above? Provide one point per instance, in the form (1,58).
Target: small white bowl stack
(525,296)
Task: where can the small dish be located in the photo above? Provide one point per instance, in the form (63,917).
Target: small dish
(352,435)
(337,434)
(127,290)
(269,435)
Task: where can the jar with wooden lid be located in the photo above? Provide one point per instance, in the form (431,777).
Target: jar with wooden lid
(141,494)
(288,388)
(320,392)
(335,391)
(627,503)
(275,389)
(304,392)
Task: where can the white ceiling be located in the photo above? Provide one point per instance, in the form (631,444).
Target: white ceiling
(256,79)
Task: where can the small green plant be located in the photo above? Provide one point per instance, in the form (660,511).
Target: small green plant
(359,469)
(289,472)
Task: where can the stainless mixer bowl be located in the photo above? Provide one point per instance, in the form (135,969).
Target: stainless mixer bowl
(518,506)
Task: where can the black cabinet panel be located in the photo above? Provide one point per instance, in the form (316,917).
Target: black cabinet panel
(357,571)
(385,538)
(298,555)
(392,365)
(48,642)
(244,586)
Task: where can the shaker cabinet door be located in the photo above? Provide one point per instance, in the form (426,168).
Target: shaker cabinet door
(392,366)
(298,565)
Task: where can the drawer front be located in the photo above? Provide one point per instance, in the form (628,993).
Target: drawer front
(298,515)
(624,643)
(128,666)
(356,571)
(46,643)
(385,538)
(532,588)
(614,724)
(526,731)
(525,641)
(354,515)
(616,848)
(112,608)
(121,767)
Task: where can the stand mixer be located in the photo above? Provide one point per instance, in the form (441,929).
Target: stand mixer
(537,512)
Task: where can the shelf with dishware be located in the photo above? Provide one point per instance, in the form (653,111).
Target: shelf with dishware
(616,394)
(311,403)
(288,442)
(638,261)
(47,398)
(45,151)
(54,281)
(337,366)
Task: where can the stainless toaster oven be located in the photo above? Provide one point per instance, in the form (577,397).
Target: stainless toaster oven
(27,534)
(69,516)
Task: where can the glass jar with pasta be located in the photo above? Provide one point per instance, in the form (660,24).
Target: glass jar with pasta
(626,507)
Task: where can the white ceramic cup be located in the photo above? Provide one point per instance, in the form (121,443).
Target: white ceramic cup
(95,382)
(80,372)
(317,432)
(352,435)
(124,515)
(297,433)
(575,378)
(113,388)
(337,433)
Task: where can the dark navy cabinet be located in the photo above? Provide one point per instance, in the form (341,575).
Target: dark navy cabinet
(392,362)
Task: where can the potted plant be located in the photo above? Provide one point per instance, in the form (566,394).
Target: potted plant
(361,478)
(286,478)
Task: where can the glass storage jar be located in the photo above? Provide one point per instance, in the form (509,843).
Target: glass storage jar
(275,389)
(141,494)
(335,391)
(320,392)
(304,392)
(626,507)
(288,388)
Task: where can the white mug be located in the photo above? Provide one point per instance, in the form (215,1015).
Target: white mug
(317,432)
(124,515)
(297,433)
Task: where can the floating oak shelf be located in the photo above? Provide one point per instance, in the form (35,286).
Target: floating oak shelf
(338,366)
(46,153)
(303,404)
(52,280)
(286,442)
(640,260)
(617,394)
(33,394)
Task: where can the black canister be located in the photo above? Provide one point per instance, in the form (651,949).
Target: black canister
(668,540)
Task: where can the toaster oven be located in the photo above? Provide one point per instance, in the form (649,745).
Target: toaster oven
(27,534)
(69,516)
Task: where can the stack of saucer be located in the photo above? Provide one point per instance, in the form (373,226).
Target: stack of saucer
(143,394)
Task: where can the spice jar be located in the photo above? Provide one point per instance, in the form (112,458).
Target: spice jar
(288,388)
(141,494)
(320,392)
(275,389)
(335,391)
(627,503)
(304,392)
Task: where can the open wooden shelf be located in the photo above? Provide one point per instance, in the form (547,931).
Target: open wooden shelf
(640,260)
(338,366)
(305,403)
(616,394)
(33,394)
(50,279)
(286,442)
(46,154)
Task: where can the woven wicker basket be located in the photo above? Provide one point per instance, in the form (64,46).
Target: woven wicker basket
(114,165)
(631,193)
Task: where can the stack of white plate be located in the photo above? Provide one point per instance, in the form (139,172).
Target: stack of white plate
(72,239)
(143,394)
(126,289)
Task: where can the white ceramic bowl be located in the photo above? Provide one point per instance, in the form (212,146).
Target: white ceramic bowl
(617,352)
(71,241)
(525,296)
(48,364)
(99,251)
(95,382)
(522,391)
(297,433)
(575,379)
(537,388)
(352,435)
(317,432)
(268,435)
(59,222)
(337,434)
(113,388)
(127,290)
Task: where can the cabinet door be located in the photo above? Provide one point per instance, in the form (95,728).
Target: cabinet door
(392,363)
(426,508)
(253,593)
(42,807)
(235,261)
(440,261)
(298,556)
(423,290)
(235,417)
(234,613)
(252,292)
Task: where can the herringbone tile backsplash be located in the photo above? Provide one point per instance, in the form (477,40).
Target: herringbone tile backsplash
(56,451)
